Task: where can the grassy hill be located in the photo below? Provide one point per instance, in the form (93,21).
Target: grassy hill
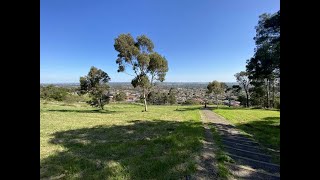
(121,142)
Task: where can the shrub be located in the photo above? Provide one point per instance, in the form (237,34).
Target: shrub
(121,96)
(191,102)
(53,93)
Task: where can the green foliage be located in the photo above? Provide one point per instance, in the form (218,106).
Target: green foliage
(99,99)
(277,103)
(157,98)
(141,81)
(191,102)
(264,67)
(53,93)
(172,96)
(224,86)
(244,82)
(258,96)
(266,62)
(95,83)
(148,66)
(121,96)
(242,99)
(217,89)
(74,98)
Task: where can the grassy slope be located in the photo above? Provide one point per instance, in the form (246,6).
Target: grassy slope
(119,143)
(263,125)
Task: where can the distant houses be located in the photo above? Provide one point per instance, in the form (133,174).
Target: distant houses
(196,95)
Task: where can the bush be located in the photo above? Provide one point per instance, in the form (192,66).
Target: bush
(191,102)
(53,93)
(277,103)
(71,98)
(242,99)
(121,96)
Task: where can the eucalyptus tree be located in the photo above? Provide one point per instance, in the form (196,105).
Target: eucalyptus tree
(147,65)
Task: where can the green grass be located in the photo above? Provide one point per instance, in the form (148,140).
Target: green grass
(262,125)
(121,142)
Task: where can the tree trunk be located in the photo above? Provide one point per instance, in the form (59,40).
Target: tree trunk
(101,106)
(268,94)
(217,101)
(145,101)
(273,88)
(247,98)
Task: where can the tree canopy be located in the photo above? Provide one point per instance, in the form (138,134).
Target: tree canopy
(264,67)
(216,88)
(148,66)
(95,83)
(244,81)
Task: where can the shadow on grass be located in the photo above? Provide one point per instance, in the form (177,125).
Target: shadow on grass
(84,111)
(242,108)
(138,150)
(213,107)
(266,131)
(186,108)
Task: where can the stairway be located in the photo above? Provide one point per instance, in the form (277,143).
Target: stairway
(250,159)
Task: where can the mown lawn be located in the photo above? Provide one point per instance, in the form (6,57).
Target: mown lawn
(263,125)
(121,142)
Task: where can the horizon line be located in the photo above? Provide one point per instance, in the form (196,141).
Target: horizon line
(130,82)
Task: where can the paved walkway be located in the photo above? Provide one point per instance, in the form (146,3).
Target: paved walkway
(251,160)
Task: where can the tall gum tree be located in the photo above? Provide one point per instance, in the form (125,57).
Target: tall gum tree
(148,66)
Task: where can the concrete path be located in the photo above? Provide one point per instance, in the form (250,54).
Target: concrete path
(251,160)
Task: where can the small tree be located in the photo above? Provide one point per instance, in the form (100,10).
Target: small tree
(244,81)
(228,95)
(216,88)
(121,96)
(151,98)
(172,96)
(95,83)
(147,65)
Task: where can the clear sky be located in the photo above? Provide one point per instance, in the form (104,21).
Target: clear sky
(203,40)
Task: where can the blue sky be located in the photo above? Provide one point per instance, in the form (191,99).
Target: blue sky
(202,40)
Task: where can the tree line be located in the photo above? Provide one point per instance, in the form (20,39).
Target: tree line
(260,83)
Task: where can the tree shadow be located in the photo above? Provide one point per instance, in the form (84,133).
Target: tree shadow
(84,111)
(242,108)
(187,108)
(208,108)
(266,131)
(222,107)
(138,150)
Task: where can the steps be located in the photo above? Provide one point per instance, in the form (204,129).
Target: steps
(250,174)
(250,159)
(248,154)
(256,164)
